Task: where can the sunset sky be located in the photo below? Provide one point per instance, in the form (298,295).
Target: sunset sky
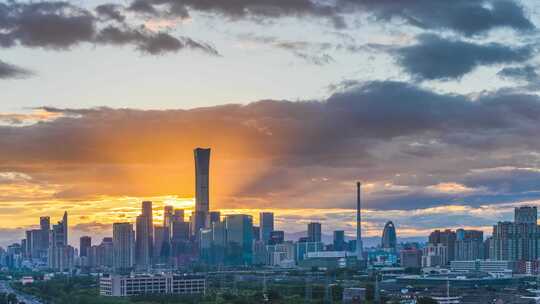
(433,105)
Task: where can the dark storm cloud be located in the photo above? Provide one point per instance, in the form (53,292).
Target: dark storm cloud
(142,6)
(61,26)
(151,43)
(297,154)
(257,9)
(433,57)
(506,180)
(11,71)
(469,17)
(526,73)
(111,12)
(55,25)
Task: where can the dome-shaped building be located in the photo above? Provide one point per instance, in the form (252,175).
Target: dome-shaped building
(389,239)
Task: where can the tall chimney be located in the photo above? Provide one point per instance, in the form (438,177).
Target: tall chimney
(359,245)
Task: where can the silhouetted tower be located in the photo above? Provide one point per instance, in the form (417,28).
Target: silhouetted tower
(202,185)
(359,245)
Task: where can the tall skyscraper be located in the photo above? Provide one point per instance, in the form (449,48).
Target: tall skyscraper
(239,239)
(525,215)
(180,231)
(160,234)
(147,212)
(389,238)
(123,247)
(446,238)
(518,240)
(33,243)
(339,240)
(469,245)
(359,245)
(256,233)
(45,223)
(202,184)
(213,217)
(178,215)
(276,237)
(168,216)
(266,224)
(45,226)
(60,256)
(37,241)
(143,249)
(314,233)
(85,243)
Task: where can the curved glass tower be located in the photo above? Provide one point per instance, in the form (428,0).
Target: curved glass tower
(389,239)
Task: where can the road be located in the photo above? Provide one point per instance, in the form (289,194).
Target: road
(28,299)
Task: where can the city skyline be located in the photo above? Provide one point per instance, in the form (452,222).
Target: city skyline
(435,115)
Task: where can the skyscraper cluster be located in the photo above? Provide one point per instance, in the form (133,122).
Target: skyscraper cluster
(206,237)
(48,246)
(517,240)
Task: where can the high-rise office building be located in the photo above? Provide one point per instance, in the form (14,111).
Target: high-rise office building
(32,243)
(266,224)
(239,239)
(256,233)
(45,223)
(102,255)
(314,233)
(198,222)
(446,238)
(147,212)
(525,215)
(202,185)
(160,243)
(180,231)
(146,208)
(60,254)
(45,226)
(59,232)
(339,240)
(212,217)
(168,218)
(389,239)
(36,245)
(168,215)
(469,245)
(123,247)
(178,215)
(219,234)
(276,237)
(518,240)
(85,243)
(143,253)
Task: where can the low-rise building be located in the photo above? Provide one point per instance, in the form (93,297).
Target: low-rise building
(435,255)
(125,286)
(490,266)
(411,258)
(329,260)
